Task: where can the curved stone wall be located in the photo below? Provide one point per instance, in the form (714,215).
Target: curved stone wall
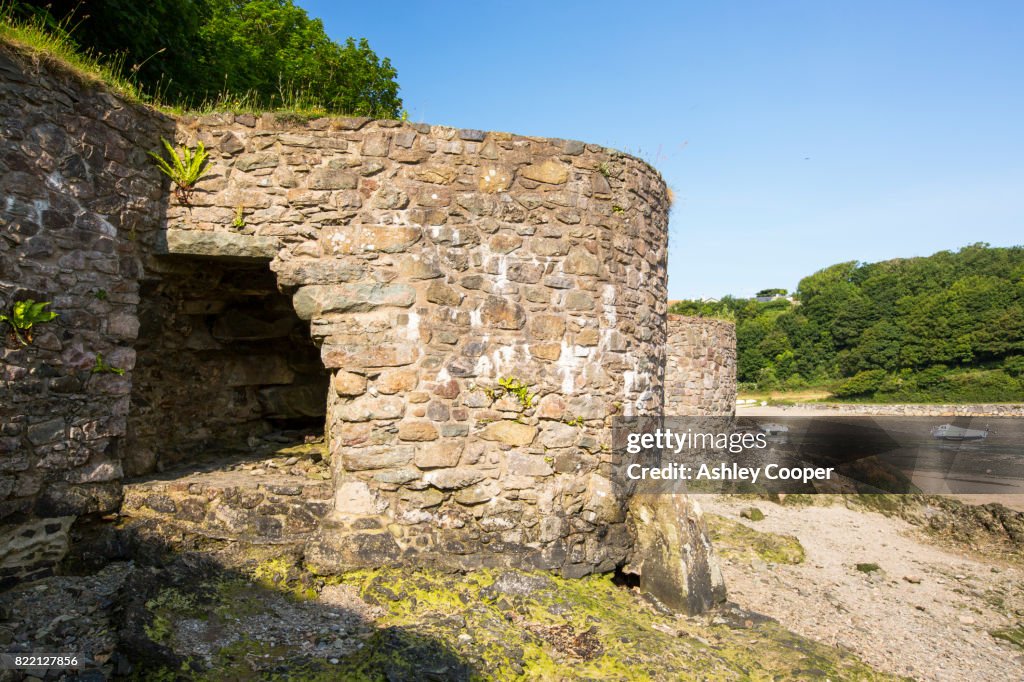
(433,264)
(700,367)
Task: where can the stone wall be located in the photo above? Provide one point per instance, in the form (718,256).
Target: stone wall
(483,303)
(433,263)
(76,196)
(700,370)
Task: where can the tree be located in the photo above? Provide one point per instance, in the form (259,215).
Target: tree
(264,53)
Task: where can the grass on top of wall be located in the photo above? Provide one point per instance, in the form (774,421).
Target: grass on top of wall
(35,40)
(41,42)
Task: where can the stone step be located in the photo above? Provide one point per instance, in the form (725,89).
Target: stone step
(252,503)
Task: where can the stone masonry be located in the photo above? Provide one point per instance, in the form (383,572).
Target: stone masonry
(700,370)
(479,307)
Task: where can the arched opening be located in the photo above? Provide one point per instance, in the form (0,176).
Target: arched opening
(225,369)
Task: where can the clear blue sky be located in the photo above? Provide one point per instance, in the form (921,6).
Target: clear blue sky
(795,134)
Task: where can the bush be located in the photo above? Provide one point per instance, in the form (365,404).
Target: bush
(861,384)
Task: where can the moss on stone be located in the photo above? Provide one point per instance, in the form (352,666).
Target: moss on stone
(734,540)
(508,625)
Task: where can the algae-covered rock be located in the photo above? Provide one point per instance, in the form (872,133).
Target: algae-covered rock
(673,555)
(734,540)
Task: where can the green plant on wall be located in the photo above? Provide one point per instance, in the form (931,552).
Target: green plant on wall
(239,221)
(101,367)
(183,169)
(517,389)
(23,315)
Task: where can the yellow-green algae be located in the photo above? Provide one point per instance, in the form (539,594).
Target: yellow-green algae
(510,636)
(734,540)
(473,626)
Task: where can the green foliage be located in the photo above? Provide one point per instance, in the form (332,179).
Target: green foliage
(239,219)
(24,315)
(868,568)
(605,169)
(575,421)
(947,327)
(514,387)
(518,390)
(188,53)
(861,384)
(184,169)
(101,367)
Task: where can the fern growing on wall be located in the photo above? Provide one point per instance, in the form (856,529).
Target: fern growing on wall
(184,169)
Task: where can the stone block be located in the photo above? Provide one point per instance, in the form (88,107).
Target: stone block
(389,457)
(438,454)
(397,381)
(223,244)
(348,383)
(550,172)
(331,178)
(343,240)
(502,313)
(417,431)
(315,299)
(509,432)
(546,326)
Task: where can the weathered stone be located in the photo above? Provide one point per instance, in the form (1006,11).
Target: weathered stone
(520,464)
(376,145)
(453,479)
(579,300)
(438,175)
(581,262)
(502,313)
(416,431)
(220,243)
(356,239)
(46,432)
(546,351)
(418,267)
(556,435)
(315,300)
(390,198)
(349,383)
(320,271)
(366,408)
(447,389)
(330,178)
(362,459)
(439,454)
(550,172)
(673,555)
(494,179)
(546,326)
(251,162)
(397,381)
(443,294)
(380,355)
(509,433)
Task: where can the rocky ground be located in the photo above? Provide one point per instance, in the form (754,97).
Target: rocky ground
(191,621)
(820,589)
(938,599)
